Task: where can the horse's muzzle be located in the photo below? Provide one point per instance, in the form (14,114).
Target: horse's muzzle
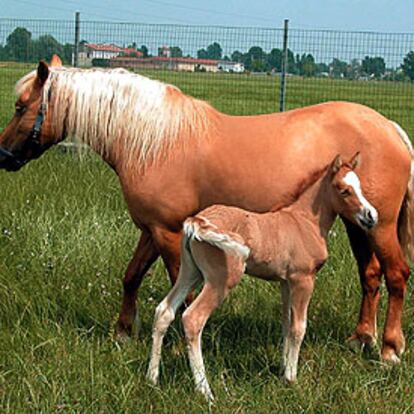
(9,161)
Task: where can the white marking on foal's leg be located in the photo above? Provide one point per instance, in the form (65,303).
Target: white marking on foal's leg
(301,288)
(285,293)
(198,368)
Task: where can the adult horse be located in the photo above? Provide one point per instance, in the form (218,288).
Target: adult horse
(176,155)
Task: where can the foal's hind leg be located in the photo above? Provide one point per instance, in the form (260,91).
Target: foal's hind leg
(187,280)
(397,272)
(221,274)
(370,273)
(145,255)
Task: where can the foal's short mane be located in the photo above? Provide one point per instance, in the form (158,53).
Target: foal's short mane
(302,186)
(106,107)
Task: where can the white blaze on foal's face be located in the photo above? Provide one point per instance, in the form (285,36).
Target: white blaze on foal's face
(366,216)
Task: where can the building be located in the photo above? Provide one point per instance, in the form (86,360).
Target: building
(231,67)
(90,51)
(185,64)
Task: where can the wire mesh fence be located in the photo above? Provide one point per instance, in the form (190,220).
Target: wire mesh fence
(238,70)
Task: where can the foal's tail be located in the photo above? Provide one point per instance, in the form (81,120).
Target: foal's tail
(406,218)
(201,229)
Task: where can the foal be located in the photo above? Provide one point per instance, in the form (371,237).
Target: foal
(288,245)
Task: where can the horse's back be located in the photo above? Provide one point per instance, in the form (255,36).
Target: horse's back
(259,161)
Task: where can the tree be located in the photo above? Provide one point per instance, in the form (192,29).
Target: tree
(256,59)
(18,44)
(237,56)
(202,54)
(144,51)
(45,47)
(176,51)
(354,69)
(214,51)
(306,65)
(291,66)
(408,65)
(338,68)
(67,54)
(274,60)
(373,66)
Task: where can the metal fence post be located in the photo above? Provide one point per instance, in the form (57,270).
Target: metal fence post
(284,68)
(77,34)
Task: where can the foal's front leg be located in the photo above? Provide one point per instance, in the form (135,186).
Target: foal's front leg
(285,292)
(301,288)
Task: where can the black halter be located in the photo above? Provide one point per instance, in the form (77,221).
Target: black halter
(15,160)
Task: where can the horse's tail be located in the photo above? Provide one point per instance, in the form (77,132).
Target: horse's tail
(201,229)
(406,217)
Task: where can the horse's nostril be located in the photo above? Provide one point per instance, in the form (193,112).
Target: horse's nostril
(369,215)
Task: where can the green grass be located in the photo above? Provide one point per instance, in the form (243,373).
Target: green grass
(65,241)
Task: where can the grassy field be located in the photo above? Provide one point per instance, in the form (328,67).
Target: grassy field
(65,241)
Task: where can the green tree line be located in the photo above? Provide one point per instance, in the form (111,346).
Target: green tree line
(21,47)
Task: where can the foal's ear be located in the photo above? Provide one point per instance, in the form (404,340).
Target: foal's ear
(337,164)
(55,61)
(42,73)
(355,161)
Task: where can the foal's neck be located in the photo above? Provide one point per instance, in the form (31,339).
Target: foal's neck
(314,206)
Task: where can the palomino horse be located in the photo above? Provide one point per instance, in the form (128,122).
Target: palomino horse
(176,155)
(288,245)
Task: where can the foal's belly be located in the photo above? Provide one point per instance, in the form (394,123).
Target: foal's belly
(266,269)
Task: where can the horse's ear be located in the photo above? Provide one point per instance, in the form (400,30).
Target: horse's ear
(55,61)
(356,160)
(337,164)
(42,73)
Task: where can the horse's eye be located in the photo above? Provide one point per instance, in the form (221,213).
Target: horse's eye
(345,192)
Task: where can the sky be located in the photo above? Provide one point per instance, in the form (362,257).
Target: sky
(370,15)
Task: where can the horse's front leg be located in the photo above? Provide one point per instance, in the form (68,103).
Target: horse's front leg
(145,255)
(370,274)
(169,246)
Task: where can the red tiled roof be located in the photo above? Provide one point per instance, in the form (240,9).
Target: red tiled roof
(187,60)
(103,47)
(113,48)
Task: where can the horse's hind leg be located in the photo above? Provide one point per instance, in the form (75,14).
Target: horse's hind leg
(370,273)
(397,272)
(145,255)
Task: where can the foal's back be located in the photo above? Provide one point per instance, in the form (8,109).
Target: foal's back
(271,245)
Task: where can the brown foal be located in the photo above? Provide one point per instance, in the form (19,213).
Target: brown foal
(288,245)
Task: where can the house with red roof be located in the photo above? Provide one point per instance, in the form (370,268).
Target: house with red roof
(186,64)
(90,51)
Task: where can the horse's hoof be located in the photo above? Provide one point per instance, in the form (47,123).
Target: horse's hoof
(390,357)
(361,343)
(122,338)
(122,335)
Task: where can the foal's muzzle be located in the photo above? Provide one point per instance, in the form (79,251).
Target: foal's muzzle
(367,218)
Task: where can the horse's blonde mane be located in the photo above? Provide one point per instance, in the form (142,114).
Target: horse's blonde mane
(114,109)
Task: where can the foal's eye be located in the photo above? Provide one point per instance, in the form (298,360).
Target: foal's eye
(345,193)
